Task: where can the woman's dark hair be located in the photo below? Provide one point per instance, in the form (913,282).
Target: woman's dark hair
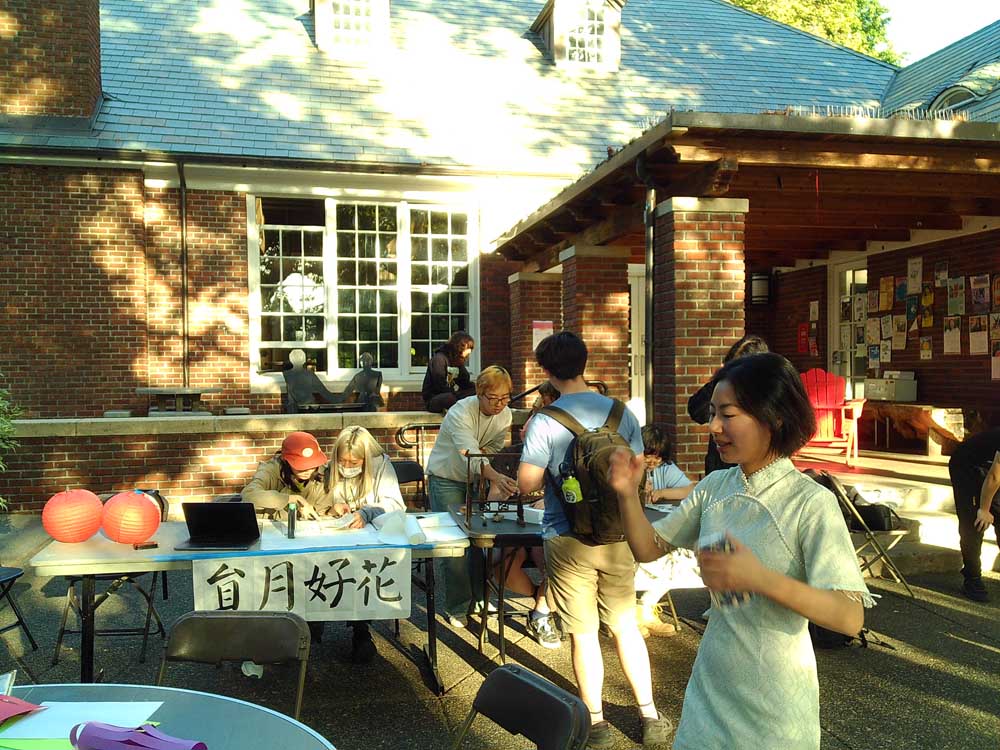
(563,354)
(656,442)
(768,388)
(749,344)
(454,345)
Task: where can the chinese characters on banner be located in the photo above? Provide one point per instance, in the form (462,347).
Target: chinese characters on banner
(357,584)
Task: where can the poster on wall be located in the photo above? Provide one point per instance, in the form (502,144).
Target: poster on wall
(846,337)
(814,309)
(914,274)
(898,332)
(996,292)
(979,292)
(885,287)
(953,335)
(900,289)
(995,326)
(859,341)
(845,309)
(978,335)
(886,326)
(873,305)
(927,305)
(925,347)
(813,340)
(540,329)
(860,307)
(912,303)
(872,331)
(941,274)
(874,356)
(885,352)
(802,339)
(956,296)
(995,360)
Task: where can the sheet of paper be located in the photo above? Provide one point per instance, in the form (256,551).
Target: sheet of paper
(60,717)
(664,508)
(36,744)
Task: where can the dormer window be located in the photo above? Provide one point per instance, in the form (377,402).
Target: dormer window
(350,29)
(952,99)
(581,33)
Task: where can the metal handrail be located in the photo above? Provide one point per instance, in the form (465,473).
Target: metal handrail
(403,441)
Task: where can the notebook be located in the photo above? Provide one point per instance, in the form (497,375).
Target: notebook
(220,526)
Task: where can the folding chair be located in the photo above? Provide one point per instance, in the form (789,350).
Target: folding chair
(408,472)
(117,582)
(260,637)
(8,576)
(527,704)
(871,550)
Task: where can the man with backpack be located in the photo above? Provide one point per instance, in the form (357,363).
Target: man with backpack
(591,570)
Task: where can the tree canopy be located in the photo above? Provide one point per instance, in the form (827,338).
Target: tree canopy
(858,24)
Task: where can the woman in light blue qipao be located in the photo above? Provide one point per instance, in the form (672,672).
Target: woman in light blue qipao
(775,553)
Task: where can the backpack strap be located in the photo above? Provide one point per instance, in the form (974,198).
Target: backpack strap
(564,418)
(614,416)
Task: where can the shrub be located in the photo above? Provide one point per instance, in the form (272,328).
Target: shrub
(8,413)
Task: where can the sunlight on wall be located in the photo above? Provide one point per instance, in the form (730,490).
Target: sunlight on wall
(9,26)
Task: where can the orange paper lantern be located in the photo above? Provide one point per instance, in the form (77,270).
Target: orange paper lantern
(72,516)
(131,517)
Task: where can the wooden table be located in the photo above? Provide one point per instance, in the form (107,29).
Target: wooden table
(175,400)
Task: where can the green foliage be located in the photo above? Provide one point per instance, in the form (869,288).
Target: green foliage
(858,24)
(8,413)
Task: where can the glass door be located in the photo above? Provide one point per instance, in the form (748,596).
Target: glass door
(849,311)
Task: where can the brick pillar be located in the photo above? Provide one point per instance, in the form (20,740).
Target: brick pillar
(698,293)
(533,296)
(596,308)
(50,58)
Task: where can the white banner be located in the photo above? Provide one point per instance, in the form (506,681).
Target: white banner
(351,584)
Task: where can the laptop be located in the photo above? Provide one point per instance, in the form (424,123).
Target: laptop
(220,526)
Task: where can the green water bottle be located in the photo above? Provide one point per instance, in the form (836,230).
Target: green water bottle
(571,491)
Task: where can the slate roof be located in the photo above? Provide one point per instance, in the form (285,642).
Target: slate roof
(463,83)
(973,62)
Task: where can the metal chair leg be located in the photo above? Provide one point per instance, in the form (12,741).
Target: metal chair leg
(70,596)
(464,729)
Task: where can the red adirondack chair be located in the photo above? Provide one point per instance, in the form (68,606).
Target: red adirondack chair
(836,417)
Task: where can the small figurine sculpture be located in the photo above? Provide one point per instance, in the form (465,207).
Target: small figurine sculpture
(367,384)
(302,385)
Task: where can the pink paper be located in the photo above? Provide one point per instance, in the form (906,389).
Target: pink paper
(93,735)
(11,706)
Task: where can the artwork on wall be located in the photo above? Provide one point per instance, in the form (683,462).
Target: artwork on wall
(914,274)
(941,274)
(873,303)
(886,331)
(956,295)
(927,305)
(900,289)
(996,292)
(885,351)
(885,287)
(874,355)
(995,326)
(953,335)
(872,331)
(979,293)
(898,332)
(995,360)
(814,309)
(860,307)
(925,347)
(845,309)
(978,335)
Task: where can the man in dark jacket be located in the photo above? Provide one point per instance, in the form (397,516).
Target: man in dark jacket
(975,478)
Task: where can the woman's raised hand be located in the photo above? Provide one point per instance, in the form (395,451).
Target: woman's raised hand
(625,473)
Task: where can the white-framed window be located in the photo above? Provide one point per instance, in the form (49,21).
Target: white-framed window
(581,34)
(348,29)
(585,38)
(339,278)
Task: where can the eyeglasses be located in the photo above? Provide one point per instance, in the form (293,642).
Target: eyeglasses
(497,400)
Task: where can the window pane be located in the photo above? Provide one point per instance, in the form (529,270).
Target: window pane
(459,250)
(366,300)
(272,243)
(388,355)
(345,245)
(367,328)
(387,302)
(270,300)
(387,274)
(314,328)
(345,301)
(461,276)
(420,302)
(345,217)
(313,244)
(421,327)
(347,328)
(419,356)
(439,249)
(270,328)
(420,274)
(387,246)
(459,302)
(387,329)
(387,219)
(439,222)
(290,266)
(269,270)
(347,273)
(458,323)
(346,356)
(440,303)
(459,223)
(366,217)
(291,243)
(366,274)
(440,327)
(292,328)
(418,222)
(314,270)
(367,349)
(439,275)
(418,247)
(366,245)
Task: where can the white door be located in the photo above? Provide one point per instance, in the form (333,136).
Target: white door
(847,314)
(637,340)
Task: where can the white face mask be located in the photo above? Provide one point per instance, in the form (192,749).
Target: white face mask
(349,473)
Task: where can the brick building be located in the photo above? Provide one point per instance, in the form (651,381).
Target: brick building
(188,192)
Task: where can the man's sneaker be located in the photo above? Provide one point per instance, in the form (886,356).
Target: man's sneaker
(455,622)
(975,589)
(543,631)
(657,734)
(600,737)
(362,646)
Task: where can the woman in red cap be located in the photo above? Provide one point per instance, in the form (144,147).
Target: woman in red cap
(299,473)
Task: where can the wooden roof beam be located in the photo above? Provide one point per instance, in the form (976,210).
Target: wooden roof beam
(764,219)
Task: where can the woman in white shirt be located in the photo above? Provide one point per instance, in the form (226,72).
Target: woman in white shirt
(365,483)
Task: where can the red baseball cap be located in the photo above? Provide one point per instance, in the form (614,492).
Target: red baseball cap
(302,452)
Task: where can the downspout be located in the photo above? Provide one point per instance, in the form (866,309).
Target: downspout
(649,219)
(185,349)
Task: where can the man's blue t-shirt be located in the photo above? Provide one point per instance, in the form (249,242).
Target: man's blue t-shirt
(547,442)
(666,476)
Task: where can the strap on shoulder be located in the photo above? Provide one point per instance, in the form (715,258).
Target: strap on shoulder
(615,416)
(564,418)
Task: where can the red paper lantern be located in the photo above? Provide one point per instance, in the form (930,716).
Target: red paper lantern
(72,516)
(131,517)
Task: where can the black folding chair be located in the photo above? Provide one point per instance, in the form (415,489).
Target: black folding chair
(116,582)
(527,704)
(261,637)
(411,472)
(8,576)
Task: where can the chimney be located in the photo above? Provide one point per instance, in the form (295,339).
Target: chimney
(50,58)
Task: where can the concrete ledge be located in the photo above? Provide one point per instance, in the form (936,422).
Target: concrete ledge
(704,205)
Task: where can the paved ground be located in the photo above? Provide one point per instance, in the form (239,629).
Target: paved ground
(936,684)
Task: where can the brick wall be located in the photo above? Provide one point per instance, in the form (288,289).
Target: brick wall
(792,293)
(947,380)
(72,285)
(532,297)
(698,293)
(596,307)
(50,57)
(494,310)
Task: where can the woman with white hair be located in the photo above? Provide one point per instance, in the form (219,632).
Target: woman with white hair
(365,483)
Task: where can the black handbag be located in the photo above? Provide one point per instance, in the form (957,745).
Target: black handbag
(877,517)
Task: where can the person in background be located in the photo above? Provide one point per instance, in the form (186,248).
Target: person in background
(547,393)
(774,551)
(447,379)
(476,424)
(974,468)
(588,583)
(698,404)
(665,484)
(298,473)
(365,487)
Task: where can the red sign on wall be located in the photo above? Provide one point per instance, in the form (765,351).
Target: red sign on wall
(803,338)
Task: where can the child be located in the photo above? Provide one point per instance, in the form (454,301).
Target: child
(665,483)
(786,555)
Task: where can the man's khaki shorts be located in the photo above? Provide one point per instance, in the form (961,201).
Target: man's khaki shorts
(590,585)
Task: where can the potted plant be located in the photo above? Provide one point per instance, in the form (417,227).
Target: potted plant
(8,413)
